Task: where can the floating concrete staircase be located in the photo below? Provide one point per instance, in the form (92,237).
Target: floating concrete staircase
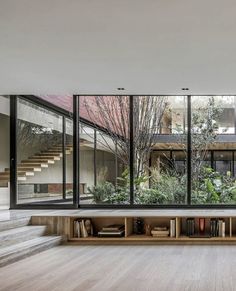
(36,163)
(19,239)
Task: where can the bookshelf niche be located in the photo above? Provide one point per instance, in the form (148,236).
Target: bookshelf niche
(156,230)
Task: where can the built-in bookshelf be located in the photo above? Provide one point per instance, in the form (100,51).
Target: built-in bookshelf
(177,227)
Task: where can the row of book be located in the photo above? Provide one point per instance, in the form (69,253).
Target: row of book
(83,228)
(217,227)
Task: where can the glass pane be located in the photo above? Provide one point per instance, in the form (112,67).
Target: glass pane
(4,152)
(87,174)
(173,119)
(223,161)
(104,149)
(212,181)
(69,159)
(39,154)
(160,161)
(63,101)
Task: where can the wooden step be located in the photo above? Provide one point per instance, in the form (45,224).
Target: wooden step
(42,161)
(49,154)
(5,179)
(27,248)
(20,173)
(53,158)
(68,152)
(7,174)
(4,183)
(33,164)
(26,169)
(61,148)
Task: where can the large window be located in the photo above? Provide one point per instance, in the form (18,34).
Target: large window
(160,176)
(43,146)
(104,150)
(131,151)
(212,182)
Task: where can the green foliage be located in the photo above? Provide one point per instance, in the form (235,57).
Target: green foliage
(213,187)
(168,189)
(102,191)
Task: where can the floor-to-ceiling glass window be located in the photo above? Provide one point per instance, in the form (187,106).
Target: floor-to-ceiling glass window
(160,177)
(213,127)
(104,150)
(40,135)
(157,144)
(4,152)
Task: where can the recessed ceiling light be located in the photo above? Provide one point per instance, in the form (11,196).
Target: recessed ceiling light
(120,89)
(185,89)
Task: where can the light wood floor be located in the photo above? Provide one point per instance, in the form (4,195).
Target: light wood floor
(131,268)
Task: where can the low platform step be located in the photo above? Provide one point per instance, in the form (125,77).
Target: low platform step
(19,234)
(14,223)
(27,248)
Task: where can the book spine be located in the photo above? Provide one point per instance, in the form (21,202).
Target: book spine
(187,226)
(78,229)
(193,227)
(223,229)
(220,228)
(172,228)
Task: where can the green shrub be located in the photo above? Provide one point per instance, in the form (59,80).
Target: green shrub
(102,191)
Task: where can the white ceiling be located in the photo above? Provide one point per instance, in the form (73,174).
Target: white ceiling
(95,46)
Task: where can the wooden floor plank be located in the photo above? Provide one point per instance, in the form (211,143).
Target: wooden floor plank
(121,268)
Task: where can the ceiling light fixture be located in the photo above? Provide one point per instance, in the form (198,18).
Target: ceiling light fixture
(185,89)
(120,89)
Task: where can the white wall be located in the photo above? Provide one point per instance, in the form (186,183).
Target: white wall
(4,142)
(4,105)
(4,148)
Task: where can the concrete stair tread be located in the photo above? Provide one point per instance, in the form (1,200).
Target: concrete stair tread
(20,230)
(14,223)
(24,249)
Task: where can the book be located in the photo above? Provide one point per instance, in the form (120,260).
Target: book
(160,228)
(118,233)
(163,235)
(76,228)
(223,229)
(172,227)
(113,227)
(215,227)
(83,230)
(160,232)
(190,226)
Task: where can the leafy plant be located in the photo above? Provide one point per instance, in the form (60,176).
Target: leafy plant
(102,191)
